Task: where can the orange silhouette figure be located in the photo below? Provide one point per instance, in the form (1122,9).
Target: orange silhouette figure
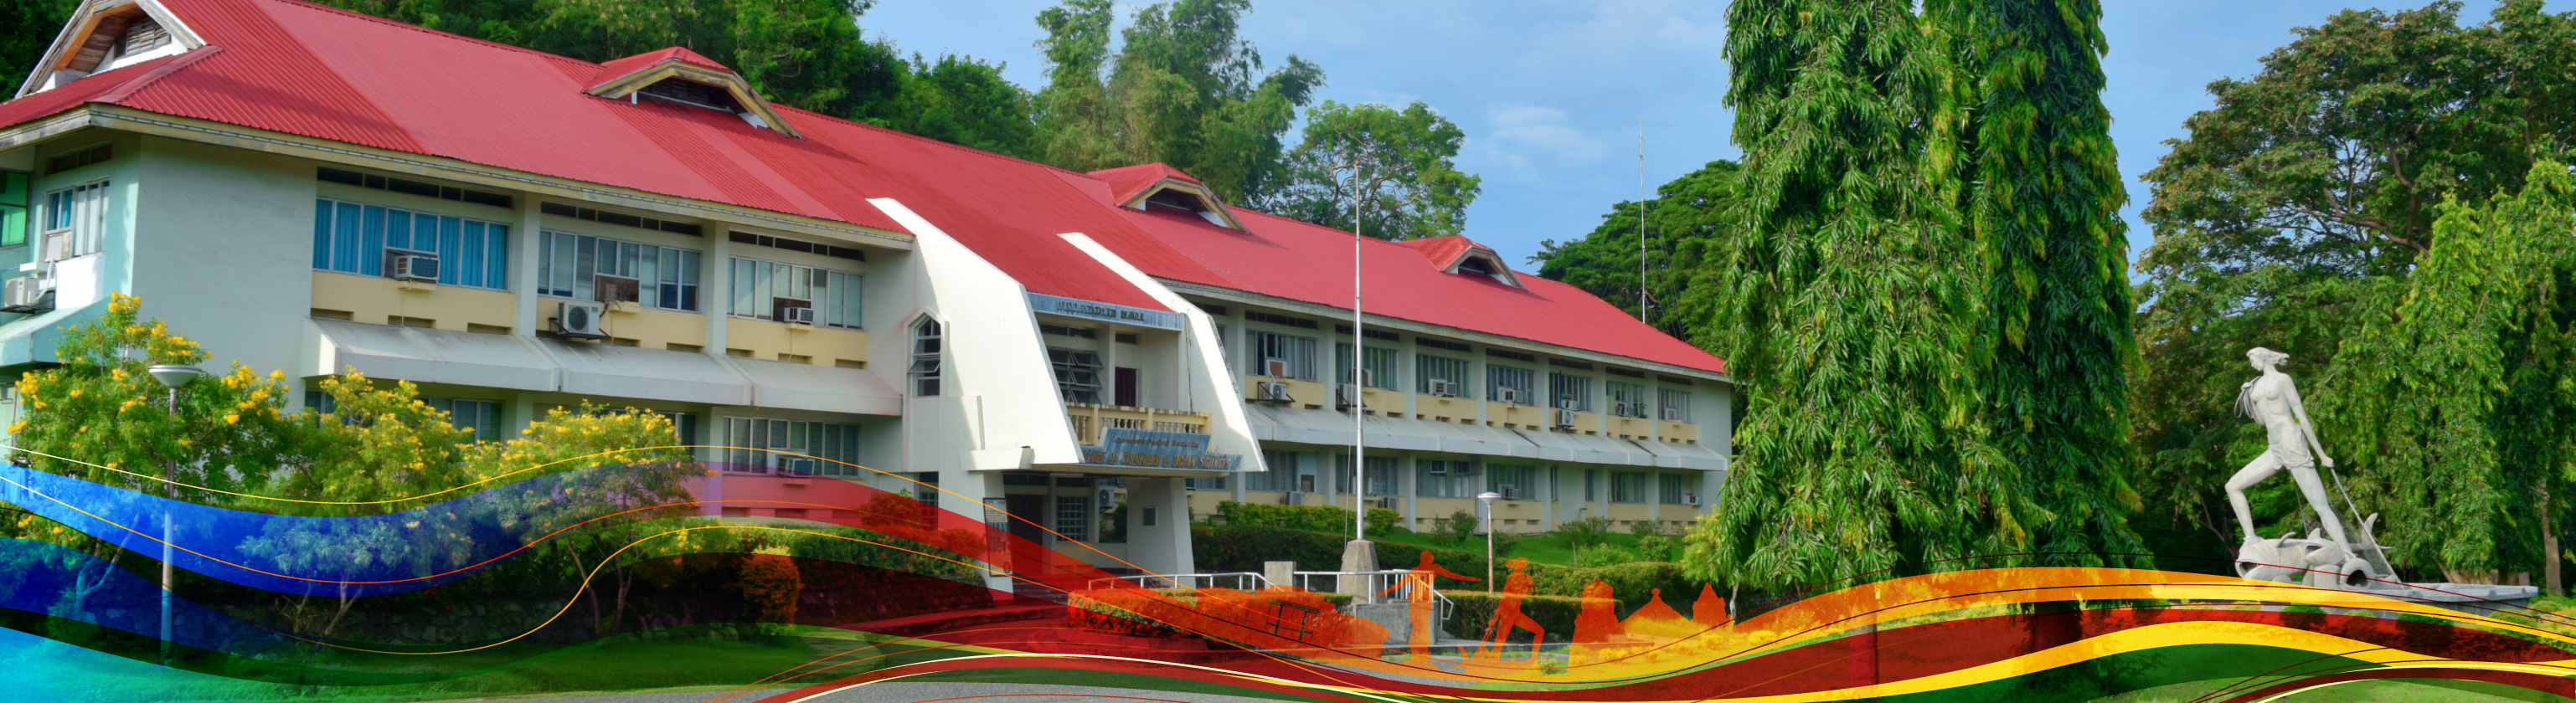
(1423,599)
(1508,615)
(1654,610)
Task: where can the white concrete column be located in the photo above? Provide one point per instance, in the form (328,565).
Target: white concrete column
(1406,473)
(1163,546)
(716,291)
(525,248)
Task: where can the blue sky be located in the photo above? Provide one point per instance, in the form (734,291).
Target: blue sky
(1550,93)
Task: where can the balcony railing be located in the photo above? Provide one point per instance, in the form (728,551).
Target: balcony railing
(1145,438)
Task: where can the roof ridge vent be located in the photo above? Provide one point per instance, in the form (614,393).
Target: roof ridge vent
(678,75)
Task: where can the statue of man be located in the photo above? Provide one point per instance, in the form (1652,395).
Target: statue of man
(2273,401)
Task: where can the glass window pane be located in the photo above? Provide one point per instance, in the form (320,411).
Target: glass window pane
(496,267)
(371,241)
(470,255)
(322,234)
(344,240)
(449,230)
(585,268)
(398,229)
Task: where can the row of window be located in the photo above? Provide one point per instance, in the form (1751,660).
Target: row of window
(1279,355)
(1457,478)
(754,445)
(364,239)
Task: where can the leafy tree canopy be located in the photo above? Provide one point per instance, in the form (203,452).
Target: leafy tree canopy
(1400,162)
(2288,215)
(1182,89)
(1683,224)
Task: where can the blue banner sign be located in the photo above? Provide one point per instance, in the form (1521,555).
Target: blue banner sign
(1158,450)
(1076,307)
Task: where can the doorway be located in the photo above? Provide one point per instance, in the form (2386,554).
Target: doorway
(1027,512)
(1126,388)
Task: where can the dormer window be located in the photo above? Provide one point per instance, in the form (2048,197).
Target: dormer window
(688,92)
(1457,255)
(106,35)
(1160,188)
(678,75)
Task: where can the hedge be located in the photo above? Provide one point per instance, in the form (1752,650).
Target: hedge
(1312,518)
(1476,609)
(1245,547)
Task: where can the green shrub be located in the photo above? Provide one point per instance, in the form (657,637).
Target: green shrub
(1606,555)
(1476,611)
(1659,548)
(1457,527)
(1585,532)
(1315,518)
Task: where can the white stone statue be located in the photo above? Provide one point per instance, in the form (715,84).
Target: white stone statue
(2273,401)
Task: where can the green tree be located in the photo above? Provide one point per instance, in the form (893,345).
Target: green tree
(1398,163)
(2294,206)
(1847,313)
(2455,400)
(27,28)
(960,100)
(1182,89)
(2040,196)
(1683,223)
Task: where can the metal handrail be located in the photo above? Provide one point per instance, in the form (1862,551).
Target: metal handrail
(1244,580)
(1378,581)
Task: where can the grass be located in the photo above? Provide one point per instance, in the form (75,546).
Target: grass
(1547,548)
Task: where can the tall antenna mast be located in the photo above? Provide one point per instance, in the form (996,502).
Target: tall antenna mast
(1641,220)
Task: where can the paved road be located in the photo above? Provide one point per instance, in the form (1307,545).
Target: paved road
(901,692)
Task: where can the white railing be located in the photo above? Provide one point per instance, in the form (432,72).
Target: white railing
(1237,580)
(1387,584)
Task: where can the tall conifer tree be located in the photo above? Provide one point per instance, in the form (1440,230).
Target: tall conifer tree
(2041,196)
(1849,311)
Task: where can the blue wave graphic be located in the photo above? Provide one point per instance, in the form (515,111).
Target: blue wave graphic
(324,556)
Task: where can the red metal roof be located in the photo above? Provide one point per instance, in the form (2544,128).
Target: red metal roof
(1443,251)
(324,73)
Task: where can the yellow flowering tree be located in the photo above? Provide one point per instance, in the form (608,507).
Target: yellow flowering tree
(100,417)
(646,481)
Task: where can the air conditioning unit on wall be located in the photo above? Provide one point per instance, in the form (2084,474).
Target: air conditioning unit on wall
(1275,392)
(1390,503)
(1443,388)
(1561,417)
(28,294)
(1275,368)
(411,265)
(1507,395)
(579,321)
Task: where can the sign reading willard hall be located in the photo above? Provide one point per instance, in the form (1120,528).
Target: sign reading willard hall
(1104,312)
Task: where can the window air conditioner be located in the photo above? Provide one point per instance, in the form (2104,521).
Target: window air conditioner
(1390,502)
(28,294)
(1511,493)
(579,321)
(796,466)
(1507,395)
(617,289)
(1347,395)
(1623,409)
(1690,499)
(411,265)
(1274,391)
(57,245)
(1443,388)
(1672,414)
(1292,498)
(1561,417)
(788,309)
(1439,468)
(1274,368)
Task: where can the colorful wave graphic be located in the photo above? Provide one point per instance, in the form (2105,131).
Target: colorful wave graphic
(527,587)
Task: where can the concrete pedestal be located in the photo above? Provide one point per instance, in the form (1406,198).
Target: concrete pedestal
(1359,555)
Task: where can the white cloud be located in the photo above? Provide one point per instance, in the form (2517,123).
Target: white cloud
(1525,128)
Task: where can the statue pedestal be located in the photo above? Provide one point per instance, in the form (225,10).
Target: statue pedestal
(2472,598)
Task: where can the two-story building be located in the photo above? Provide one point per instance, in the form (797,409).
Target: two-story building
(304,188)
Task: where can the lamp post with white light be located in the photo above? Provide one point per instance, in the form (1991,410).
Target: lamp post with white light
(1486,501)
(173,376)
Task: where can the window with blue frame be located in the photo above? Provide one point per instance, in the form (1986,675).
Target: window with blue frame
(354,238)
(13,208)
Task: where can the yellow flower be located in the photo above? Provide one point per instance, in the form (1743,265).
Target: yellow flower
(230,418)
(76,392)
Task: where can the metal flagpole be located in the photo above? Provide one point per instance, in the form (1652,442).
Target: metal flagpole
(1359,355)
(1641,220)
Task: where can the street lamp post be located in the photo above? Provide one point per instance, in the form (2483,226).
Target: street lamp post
(172,376)
(1486,500)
